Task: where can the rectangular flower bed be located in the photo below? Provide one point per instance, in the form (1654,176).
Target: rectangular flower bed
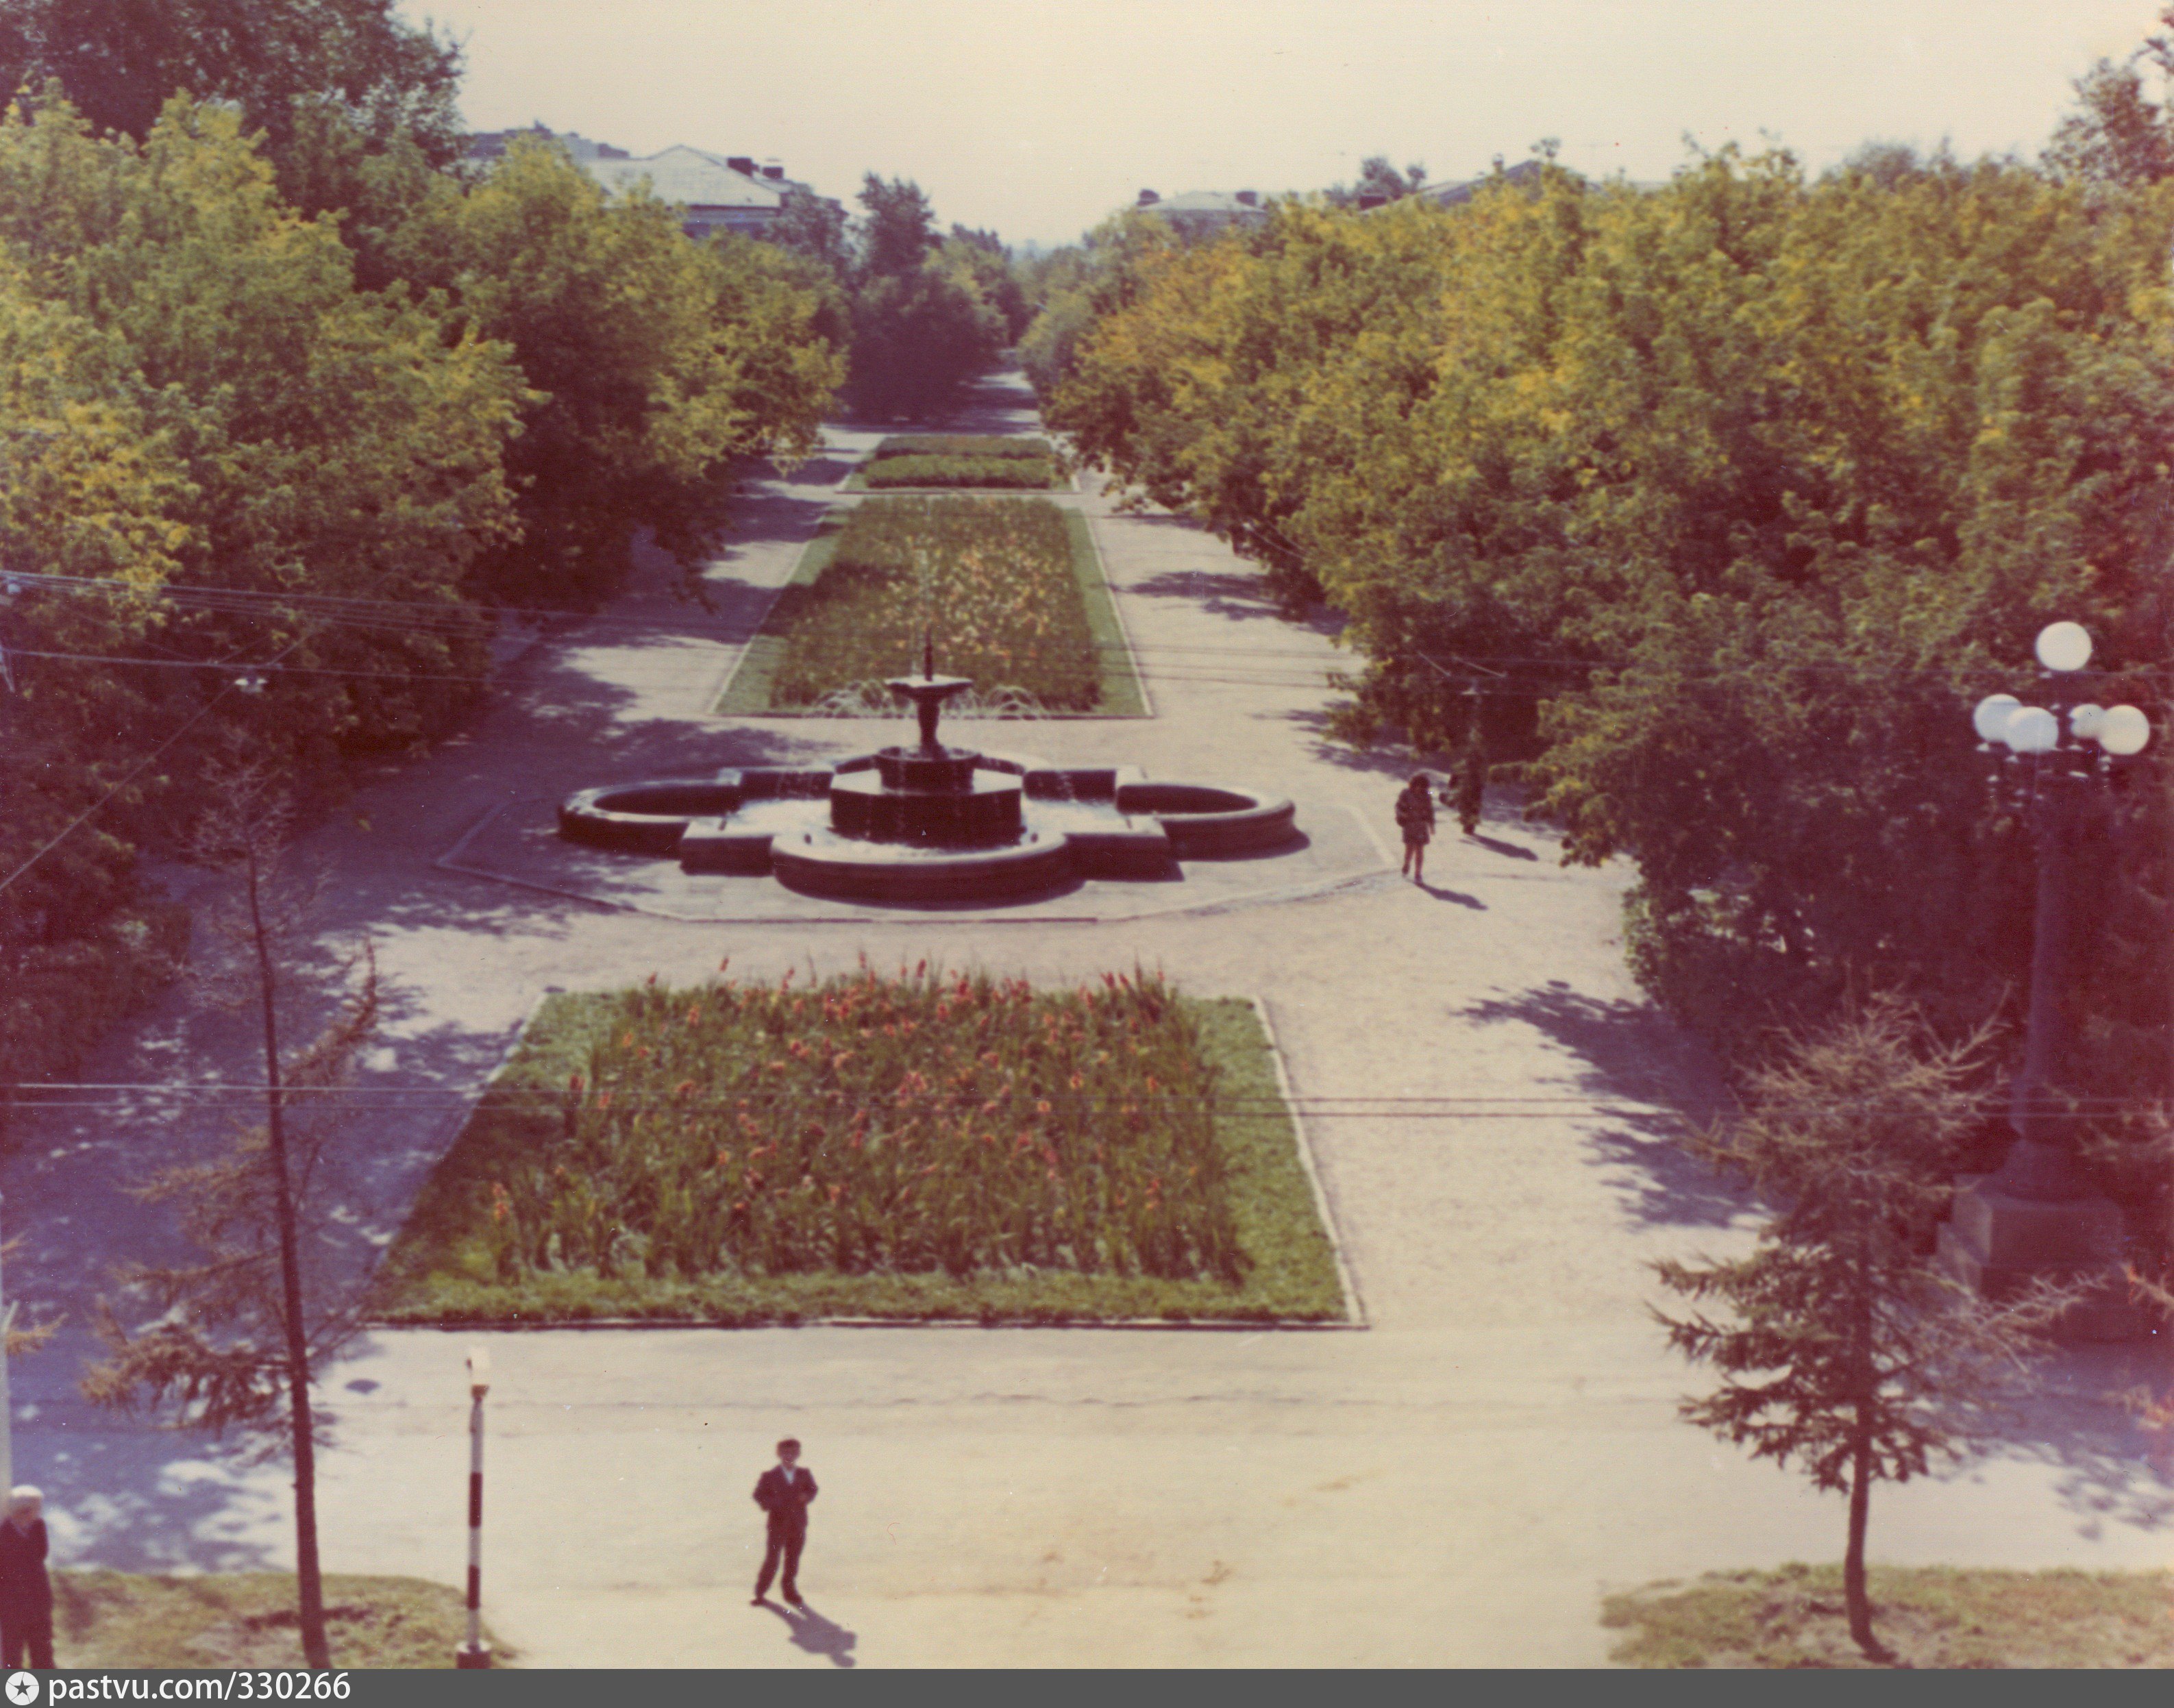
(1012,587)
(959,460)
(923,1146)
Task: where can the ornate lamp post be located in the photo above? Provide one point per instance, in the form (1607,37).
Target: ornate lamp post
(2036,1216)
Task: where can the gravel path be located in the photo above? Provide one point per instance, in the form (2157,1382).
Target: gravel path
(1458,1483)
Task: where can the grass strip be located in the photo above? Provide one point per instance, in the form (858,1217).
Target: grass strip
(1930,1616)
(451,1264)
(749,689)
(1121,694)
(246,1620)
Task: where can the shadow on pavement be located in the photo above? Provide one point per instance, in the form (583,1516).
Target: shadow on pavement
(816,1635)
(1456,895)
(1629,1051)
(1219,591)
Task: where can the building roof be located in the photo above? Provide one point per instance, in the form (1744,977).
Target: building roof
(1450,192)
(1224,203)
(489,145)
(693,178)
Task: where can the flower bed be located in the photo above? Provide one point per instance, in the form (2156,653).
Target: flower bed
(996,578)
(1024,472)
(978,444)
(921,1146)
(959,460)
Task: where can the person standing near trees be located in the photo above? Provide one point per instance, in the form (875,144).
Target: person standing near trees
(783,1492)
(26,1592)
(1472,779)
(1415,819)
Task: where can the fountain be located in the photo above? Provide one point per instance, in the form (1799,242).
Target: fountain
(929,823)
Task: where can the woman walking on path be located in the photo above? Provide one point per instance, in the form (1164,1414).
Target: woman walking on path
(1415,819)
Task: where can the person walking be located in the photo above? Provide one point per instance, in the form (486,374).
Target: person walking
(1415,819)
(26,1593)
(783,1492)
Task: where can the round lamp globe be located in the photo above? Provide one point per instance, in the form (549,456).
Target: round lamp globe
(2033,729)
(2064,646)
(2124,730)
(1990,720)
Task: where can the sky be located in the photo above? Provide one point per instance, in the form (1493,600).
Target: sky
(1038,118)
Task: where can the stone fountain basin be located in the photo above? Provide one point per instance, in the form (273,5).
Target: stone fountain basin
(1210,821)
(1088,822)
(818,861)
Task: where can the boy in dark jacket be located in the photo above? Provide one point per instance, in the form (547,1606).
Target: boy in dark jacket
(783,1493)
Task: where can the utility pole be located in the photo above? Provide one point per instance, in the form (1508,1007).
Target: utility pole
(475,1653)
(7,1405)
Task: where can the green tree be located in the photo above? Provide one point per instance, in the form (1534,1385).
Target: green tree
(815,226)
(1747,487)
(983,257)
(120,61)
(923,325)
(898,228)
(652,362)
(1843,1350)
(238,1337)
(198,398)
(1378,181)
(2118,134)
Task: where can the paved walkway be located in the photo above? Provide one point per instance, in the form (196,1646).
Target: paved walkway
(1458,1484)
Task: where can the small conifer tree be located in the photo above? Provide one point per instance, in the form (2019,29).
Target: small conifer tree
(1847,1352)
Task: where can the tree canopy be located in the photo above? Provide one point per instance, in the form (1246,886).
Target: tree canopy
(1731,497)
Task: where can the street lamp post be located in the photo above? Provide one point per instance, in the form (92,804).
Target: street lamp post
(2036,1216)
(475,1652)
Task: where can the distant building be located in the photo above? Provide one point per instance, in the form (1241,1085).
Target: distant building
(1454,193)
(732,193)
(489,145)
(1200,211)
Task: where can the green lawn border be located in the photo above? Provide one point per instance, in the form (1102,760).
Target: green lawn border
(1298,1279)
(746,692)
(104,1618)
(1123,693)
(1979,1616)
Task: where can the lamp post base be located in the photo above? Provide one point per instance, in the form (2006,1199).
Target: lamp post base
(1998,1245)
(466,1658)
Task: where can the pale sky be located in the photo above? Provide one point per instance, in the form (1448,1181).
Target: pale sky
(1040,117)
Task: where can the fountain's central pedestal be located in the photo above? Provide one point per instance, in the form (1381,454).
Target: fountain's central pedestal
(931,795)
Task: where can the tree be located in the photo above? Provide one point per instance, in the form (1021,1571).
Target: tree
(652,362)
(982,255)
(1378,181)
(120,61)
(195,396)
(1845,1351)
(815,226)
(898,231)
(923,325)
(239,1334)
(2118,135)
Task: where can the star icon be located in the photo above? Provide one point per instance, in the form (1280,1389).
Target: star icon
(22,1688)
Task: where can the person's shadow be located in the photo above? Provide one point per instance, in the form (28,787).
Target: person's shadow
(816,1635)
(1456,895)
